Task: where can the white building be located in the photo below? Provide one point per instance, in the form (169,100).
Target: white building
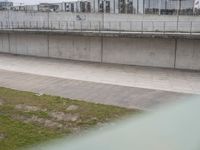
(31,7)
(119,6)
(5,4)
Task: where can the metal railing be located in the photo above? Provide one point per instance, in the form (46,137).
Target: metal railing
(112,26)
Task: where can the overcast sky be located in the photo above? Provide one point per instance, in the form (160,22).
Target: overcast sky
(28,2)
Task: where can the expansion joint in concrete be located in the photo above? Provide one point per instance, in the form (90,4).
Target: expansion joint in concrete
(48,44)
(9,47)
(102,48)
(175,53)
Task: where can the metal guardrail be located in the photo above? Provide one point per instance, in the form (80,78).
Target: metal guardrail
(115,26)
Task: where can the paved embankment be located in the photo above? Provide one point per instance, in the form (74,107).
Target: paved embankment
(121,85)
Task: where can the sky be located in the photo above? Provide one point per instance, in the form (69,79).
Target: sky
(30,2)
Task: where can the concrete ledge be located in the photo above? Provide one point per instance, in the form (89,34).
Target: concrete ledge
(108,33)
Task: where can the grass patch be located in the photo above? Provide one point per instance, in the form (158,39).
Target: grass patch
(27,118)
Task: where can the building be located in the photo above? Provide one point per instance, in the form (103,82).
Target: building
(168,6)
(18,8)
(106,6)
(69,6)
(31,7)
(160,7)
(47,7)
(119,6)
(5,4)
(58,6)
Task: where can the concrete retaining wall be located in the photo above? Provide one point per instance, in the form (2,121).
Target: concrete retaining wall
(139,51)
(157,52)
(75,47)
(29,44)
(188,54)
(4,43)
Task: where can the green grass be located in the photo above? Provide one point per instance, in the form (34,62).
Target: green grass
(18,133)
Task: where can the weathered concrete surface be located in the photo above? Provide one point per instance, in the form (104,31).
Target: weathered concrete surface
(68,16)
(139,51)
(111,21)
(29,44)
(129,97)
(143,51)
(75,47)
(188,54)
(4,43)
(182,81)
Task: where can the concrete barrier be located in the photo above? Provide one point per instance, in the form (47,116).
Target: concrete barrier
(75,47)
(29,44)
(188,54)
(139,51)
(4,43)
(157,52)
(96,21)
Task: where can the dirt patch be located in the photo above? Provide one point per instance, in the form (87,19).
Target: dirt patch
(72,108)
(61,116)
(28,108)
(2,136)
(41,121)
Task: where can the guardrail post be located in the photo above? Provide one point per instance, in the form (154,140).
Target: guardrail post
(191,24)
(59,25)
(81,25)
(13,26)
(43,25)
(99,26)
(51,25)
(153,27)
(131,25)
(24,24)
(66,25)
(6,25)
(177,28)
(48,25)
(73,25)
(110,26)
(164,27)
(30,24)
(120,27)
(90,27)
(142,26)
(37,27)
